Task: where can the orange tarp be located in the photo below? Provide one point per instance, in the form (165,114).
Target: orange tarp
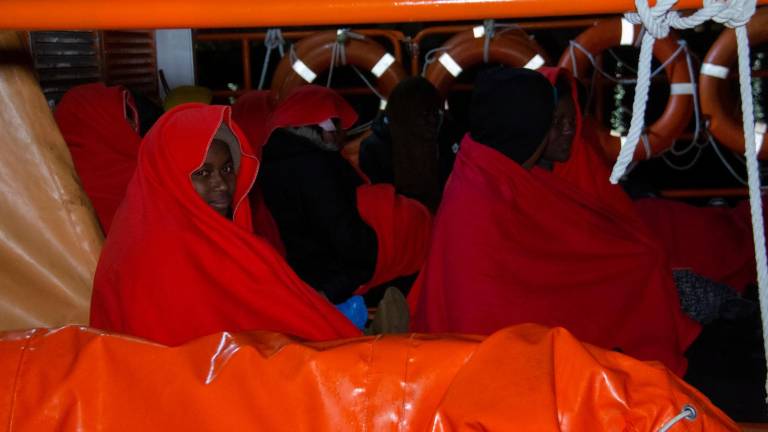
(100,14)
(521,378)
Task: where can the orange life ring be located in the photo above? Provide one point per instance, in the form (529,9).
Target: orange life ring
(724,119)
(314,56)
(677,114)
(466,49)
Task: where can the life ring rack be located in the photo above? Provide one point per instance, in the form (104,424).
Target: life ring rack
(662,134)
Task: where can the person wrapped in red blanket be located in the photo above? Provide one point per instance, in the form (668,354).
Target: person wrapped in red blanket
(181,260)
(513,243)
(342,236)
(101,127)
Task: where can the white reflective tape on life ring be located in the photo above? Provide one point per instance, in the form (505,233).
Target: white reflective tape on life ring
(478,31)
(681,89)
(382,65)
(627,33)
(304,71)
(714,70)
(382,105)
(760,129)
(450,65)
(534,63)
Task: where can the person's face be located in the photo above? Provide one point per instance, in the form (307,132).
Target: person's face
(560,136)
(215,180)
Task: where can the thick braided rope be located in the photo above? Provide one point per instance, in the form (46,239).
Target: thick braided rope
(657,22)
(753,178)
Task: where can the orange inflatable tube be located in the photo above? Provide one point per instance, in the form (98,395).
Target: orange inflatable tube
(522,378)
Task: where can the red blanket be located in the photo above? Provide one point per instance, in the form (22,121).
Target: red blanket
(173,269)
(104,146)
(512,246)
(715,242)
(403,227)
(251,112)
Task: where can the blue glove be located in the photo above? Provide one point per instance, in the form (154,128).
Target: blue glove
(355,310)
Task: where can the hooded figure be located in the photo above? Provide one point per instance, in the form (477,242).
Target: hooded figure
(100,125)
(342,236)
(404,147)
(251,112)
(513,243)
(182,262)
(311,191)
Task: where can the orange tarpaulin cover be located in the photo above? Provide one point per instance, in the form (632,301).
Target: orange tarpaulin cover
(522,378)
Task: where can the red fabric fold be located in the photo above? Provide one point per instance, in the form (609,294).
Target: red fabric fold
(251,112)
(104,146)
(173,269)
(512,246)
(715,242)
(403,227)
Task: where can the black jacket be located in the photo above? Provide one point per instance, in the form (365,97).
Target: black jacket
(311,194)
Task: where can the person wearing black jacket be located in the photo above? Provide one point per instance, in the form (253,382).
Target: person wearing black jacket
(311,191)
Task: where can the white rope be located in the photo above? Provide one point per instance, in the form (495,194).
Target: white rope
(657,22)
(687,413)
(753,176)
(273,40)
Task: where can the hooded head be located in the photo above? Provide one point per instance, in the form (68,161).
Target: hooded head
(511,111)
(316,113)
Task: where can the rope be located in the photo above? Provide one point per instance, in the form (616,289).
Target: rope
(687,413)
(273,40)
(727,165)
(339,51)
(575,45)
(657,22)
(753,176)
(431,57)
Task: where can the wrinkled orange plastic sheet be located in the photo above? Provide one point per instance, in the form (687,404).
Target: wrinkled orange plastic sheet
(522,378)
(49,237)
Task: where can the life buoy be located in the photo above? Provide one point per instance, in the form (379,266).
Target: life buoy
(467,49)
(677,114)
(313,56)
(716,104)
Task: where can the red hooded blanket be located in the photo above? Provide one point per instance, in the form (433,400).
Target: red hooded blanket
(512,246)
(251,113)
(173,269)
(104,146)
(402,225)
